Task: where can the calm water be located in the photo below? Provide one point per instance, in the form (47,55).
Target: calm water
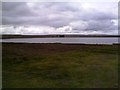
(64,40)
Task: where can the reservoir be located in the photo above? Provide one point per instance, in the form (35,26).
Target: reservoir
(80,40)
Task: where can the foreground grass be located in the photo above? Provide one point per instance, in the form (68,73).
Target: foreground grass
(59,66)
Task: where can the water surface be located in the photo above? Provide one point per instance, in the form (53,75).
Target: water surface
(83,40)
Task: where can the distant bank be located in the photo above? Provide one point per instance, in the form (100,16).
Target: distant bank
(54,35)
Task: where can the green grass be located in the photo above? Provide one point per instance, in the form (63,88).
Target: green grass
(60,66)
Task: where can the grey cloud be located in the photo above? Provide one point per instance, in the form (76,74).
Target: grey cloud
(7,6)
(94,15)
(15,9)
(56,15)
(101,25)
(65,7)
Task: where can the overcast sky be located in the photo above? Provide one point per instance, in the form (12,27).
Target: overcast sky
(60,17)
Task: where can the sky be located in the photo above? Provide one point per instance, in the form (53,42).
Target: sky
(39,18)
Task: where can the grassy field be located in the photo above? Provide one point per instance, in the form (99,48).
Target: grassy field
(59,66)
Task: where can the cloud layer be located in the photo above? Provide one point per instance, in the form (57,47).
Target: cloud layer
(59,17)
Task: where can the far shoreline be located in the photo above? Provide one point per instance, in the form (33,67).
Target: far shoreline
(61,43)
(57,36)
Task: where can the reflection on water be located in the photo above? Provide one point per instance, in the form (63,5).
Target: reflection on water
(65,40)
